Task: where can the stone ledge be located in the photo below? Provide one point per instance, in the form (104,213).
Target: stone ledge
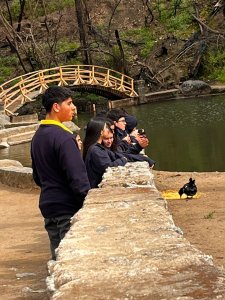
(20,177)
(123,244)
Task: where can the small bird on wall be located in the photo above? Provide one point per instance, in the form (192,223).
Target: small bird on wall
(189,189)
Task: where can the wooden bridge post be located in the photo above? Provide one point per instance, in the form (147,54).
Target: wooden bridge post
(140,88)
(1,108)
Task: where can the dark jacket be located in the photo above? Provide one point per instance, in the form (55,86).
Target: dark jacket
(124,146)
(139,157)
(59,170)
(98,159)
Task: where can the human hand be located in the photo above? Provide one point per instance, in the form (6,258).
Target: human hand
(134,133)
(127,139)
(142,141)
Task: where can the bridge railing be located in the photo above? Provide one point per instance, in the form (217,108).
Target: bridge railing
(25,88)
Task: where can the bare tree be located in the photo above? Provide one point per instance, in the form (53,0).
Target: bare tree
(20,17)
(9,12)
(149,16)
(32,54)
(82,20)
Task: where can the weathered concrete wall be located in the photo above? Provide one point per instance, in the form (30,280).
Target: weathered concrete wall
(24,118)
(12,173)
(17,135)
(124,244)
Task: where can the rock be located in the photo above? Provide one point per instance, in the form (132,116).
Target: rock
(4,120)
(195,87)
(4,143)
(10,163)
(72,126)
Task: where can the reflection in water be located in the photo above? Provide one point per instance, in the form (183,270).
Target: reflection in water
(19,152)
(185,135)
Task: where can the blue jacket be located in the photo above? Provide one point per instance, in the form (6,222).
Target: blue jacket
(59,170)
(98,159)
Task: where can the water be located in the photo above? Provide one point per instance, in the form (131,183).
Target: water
(185,135)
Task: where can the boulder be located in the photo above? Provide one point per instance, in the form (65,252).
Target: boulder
(4,120)
(194,87)
(73,127)
(9,163)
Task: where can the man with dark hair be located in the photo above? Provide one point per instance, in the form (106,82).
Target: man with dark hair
(58,168)
(125,142)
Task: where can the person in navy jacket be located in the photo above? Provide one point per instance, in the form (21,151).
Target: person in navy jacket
(97,158)
(125,142)
(58,167)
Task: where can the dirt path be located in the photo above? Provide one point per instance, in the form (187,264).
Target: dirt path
(24,246)
(203,219)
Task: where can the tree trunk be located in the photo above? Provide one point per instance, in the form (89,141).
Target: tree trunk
(81,13)
(122,56)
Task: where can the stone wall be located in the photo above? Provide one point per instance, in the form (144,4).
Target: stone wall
(12,173)
(24,118)
(17,135)
(123,244)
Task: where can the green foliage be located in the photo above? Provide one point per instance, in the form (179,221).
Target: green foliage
(145,36)
(179,23)
(221,75)
(68,50)
(214,65)
(8,64)
(66,45)
(176,16)
(34,9)
(88,97)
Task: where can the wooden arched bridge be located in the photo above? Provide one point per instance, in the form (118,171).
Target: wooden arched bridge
(99,80)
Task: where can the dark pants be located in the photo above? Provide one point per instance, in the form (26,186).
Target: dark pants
(57,228)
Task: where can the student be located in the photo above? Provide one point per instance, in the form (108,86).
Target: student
(58,168)
(97,158)
(107,142)
(124,141)
(78,141)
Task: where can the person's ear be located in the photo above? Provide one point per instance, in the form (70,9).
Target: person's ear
(56,107)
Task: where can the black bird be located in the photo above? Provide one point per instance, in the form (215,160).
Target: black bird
(190,189)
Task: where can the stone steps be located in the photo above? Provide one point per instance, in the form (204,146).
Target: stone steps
(20,138)
(17,135)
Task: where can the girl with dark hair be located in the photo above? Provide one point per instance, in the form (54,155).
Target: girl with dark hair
(97,158)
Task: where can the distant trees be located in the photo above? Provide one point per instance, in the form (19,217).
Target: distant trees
(24,40)
(83,20)
(153,37)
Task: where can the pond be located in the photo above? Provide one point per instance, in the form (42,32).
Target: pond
(185,135)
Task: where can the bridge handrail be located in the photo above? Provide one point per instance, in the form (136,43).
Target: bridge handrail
(22,87)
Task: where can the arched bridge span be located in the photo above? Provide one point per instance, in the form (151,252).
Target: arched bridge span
(99,80)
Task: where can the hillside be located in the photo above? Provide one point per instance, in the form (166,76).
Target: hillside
(162,42)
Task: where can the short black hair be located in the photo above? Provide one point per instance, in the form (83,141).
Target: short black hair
(115,114)
(55,94)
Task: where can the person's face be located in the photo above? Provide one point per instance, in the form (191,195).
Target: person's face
(65,110)
(107,139)
(79,142)
(112,127)
(121,123)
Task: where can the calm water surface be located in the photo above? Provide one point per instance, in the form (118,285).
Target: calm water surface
(185,135)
